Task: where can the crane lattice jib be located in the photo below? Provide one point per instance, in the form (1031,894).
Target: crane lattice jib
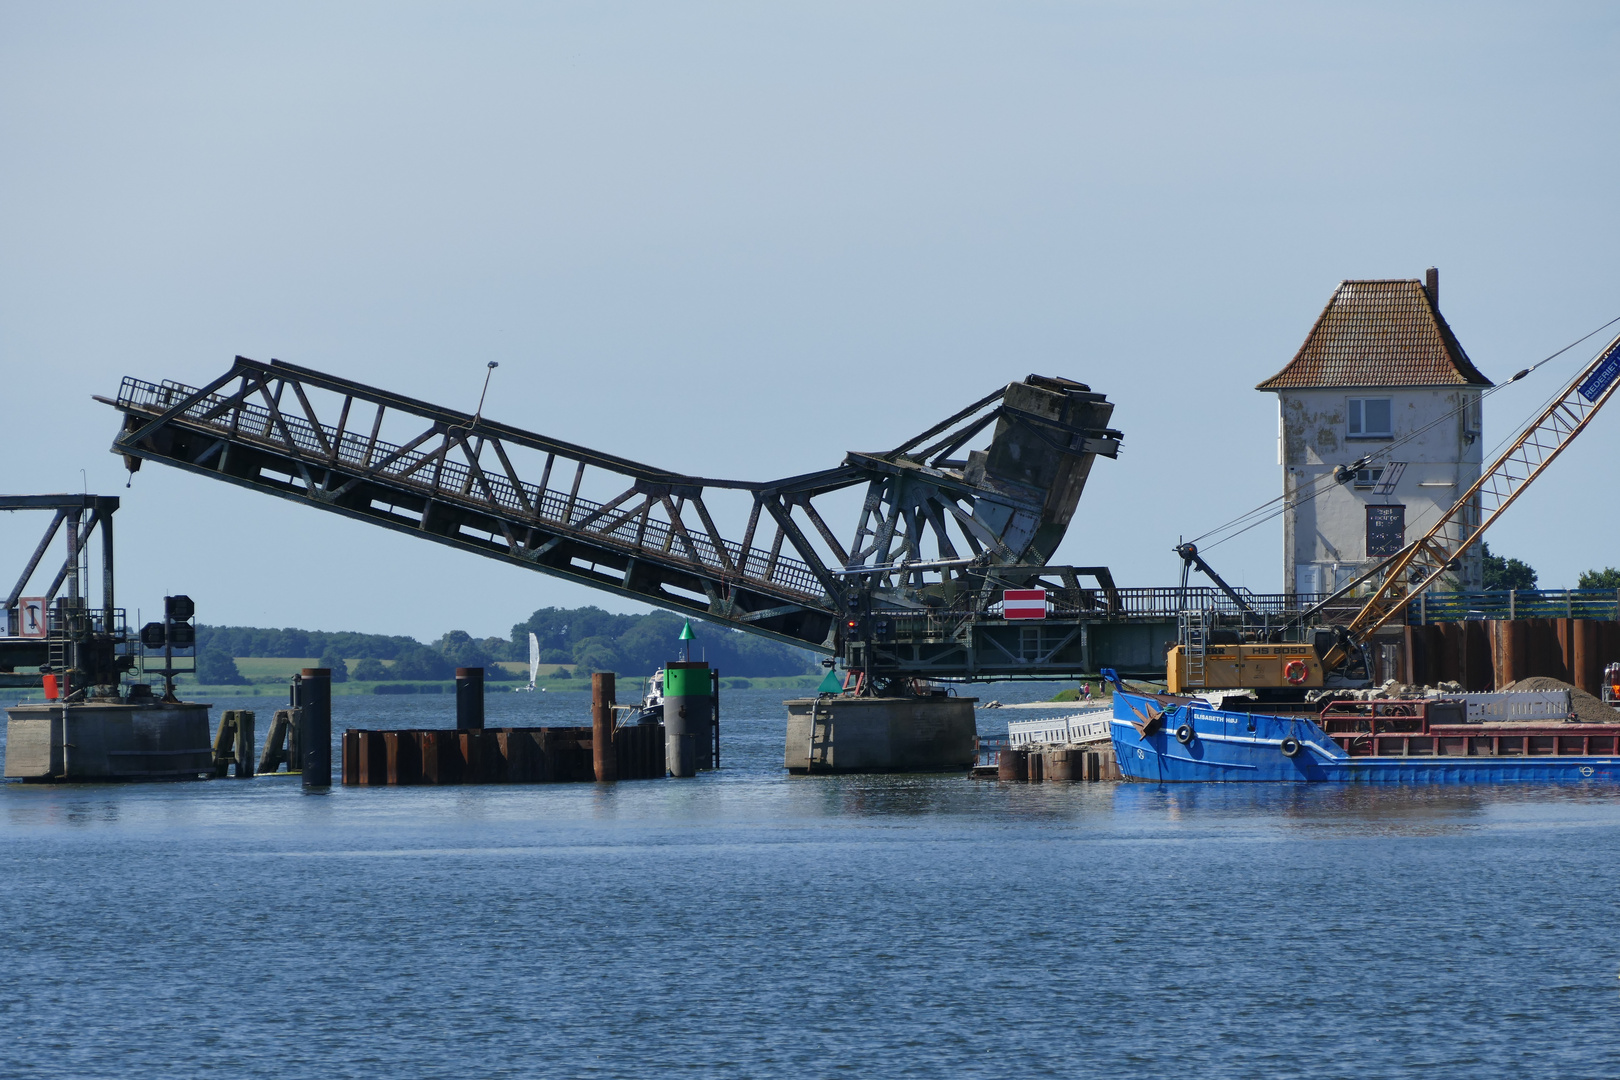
(1423,563)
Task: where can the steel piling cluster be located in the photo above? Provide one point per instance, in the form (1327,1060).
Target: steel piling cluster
(1485,655)
(1057,764)
(497,756)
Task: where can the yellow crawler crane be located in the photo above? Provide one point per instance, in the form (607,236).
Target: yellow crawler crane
(1200,664)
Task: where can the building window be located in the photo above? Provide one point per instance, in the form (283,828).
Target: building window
(1367,478)
(1370,418)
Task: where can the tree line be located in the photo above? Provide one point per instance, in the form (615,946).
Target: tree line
(588,637)
(1502,572)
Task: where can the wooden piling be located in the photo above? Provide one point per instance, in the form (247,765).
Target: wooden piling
(223,740)
(244,743)
(602,755)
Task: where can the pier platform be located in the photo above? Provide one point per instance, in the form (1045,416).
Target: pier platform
(107,741)
(880,734)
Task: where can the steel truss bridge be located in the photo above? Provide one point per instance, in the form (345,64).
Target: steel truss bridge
(912,590)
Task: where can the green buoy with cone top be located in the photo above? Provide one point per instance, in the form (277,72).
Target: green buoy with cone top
(690,729)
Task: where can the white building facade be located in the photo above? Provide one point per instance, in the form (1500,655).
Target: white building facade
(1378,433)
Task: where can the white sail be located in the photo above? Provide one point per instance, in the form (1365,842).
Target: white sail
(534,660)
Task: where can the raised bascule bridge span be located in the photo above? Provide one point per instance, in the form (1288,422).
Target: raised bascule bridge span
(913,588)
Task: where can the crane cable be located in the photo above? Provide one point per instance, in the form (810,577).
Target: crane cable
(1321,487)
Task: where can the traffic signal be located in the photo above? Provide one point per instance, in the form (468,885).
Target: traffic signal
(176,629)
(177,613)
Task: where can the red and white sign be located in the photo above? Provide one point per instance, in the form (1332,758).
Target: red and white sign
(31,618)
(1023,604)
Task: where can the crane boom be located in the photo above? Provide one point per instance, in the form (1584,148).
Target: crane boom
(1423,562)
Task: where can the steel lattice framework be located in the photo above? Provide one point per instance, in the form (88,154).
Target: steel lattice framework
(941,530)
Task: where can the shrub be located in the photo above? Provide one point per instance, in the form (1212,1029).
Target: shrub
(339,666)
(422,663)
(215,667)
(371,670)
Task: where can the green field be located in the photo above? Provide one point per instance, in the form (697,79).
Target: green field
(269,676)
(279,669)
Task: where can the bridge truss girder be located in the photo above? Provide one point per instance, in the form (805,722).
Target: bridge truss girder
(993,516)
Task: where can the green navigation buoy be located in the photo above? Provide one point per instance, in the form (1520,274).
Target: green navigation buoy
(690,732)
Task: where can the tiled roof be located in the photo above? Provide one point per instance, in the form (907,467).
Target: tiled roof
(1379,333)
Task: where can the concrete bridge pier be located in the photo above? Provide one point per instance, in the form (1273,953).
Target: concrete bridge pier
(880,735)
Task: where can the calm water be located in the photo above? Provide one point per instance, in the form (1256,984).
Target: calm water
(749,924)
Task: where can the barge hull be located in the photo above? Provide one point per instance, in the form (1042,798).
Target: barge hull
(1222,746)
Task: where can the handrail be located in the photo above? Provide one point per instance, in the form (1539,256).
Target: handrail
(450,479)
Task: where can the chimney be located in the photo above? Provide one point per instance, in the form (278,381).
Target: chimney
(1431,285)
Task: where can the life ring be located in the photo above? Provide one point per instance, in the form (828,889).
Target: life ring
(1184,734)
(1296,672)
(1290,747)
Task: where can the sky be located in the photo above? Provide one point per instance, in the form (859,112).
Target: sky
(739,239)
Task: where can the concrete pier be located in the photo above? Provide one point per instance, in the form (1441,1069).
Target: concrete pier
(108,741)
(880,735)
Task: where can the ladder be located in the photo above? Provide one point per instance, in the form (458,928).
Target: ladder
(58,652)
(825,724)
(1194,640)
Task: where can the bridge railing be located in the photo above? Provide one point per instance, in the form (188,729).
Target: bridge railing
(1157,604)
(436,475)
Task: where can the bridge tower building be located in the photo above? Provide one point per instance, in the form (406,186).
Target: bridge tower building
(1378,432)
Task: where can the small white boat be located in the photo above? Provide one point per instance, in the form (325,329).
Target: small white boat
(651,709)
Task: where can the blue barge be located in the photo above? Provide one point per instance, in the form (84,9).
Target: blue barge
(1168,738)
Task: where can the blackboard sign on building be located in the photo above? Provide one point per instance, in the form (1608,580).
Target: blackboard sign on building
(1386,530)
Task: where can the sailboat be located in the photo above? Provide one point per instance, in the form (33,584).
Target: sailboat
(534,665)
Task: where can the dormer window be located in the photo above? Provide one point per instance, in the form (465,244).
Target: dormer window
(1370,418)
